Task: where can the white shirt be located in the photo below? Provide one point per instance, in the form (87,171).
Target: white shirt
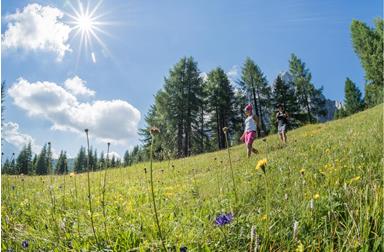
(250,124)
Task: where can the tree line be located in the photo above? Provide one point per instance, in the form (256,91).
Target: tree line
(43,164)
(191,111)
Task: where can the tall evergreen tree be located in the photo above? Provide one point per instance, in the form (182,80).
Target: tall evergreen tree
(61,165)
(368,45)
(352,101)
(310,99)
(240,101)
(127,158)
(284,93)
(176,110)
(24,160)
(254,82)
(42,164)
(81,161)
(220,105)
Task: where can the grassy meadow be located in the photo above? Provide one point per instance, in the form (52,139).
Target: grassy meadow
(323,191)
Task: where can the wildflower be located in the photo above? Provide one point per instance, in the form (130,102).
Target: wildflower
(25,244)
(261,164)
(72,174)
(225,130)
(183,249)
(264,217)
(316,196)
(295,228)
(154,131)
(300,247)
(302,171)
(224,219)
(357,178)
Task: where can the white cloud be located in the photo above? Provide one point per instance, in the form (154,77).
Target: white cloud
(233,74)
(36,28)
(12,135)
(76,86)
(113,154)
(204,76)
(113,121)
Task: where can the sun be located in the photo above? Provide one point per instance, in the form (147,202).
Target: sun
(87,25)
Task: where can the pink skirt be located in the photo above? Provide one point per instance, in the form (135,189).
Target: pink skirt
(249,137)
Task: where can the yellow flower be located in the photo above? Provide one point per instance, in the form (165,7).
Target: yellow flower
(261,164)
(316,196)
(302,171)
(264,217)
(357,178)
(72,174)
(300,247)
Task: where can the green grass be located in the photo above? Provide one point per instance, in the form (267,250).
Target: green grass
(191,192)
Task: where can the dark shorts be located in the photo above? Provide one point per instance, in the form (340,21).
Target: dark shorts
(282,128)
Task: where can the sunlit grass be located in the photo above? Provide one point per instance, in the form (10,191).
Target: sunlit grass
(327,183)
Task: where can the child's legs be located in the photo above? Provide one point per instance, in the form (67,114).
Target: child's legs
(249,149)
(284,137)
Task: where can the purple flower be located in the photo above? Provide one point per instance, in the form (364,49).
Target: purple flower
(25,244)
(224,219)
(183,249)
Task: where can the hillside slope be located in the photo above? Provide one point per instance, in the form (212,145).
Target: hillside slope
(335,201)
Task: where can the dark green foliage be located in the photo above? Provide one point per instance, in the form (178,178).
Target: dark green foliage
(24,160)
(42,164)
(176,112)
(61,165)
(368,45)
(310,99)
(240,101)
(353,102)
(81,161)
(254,83)
(340,113)
(127,158)
(284,93)
(220,98)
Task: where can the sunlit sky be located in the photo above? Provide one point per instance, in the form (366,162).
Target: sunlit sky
(70,65)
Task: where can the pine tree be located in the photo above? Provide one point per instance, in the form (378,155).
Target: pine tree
(101,161)
(81,161)
(24,160)
(368,45)
(220,104)
(240,101)
(42,164)
(126,158)
(61,165)
(34,163)
(176,111)
(310,99)
(352,101)
(254,82)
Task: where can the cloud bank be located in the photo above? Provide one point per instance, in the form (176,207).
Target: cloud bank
(114,121)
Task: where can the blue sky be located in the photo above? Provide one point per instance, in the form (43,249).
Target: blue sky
(142,40)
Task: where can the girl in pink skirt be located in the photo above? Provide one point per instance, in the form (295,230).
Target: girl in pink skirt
(249,135)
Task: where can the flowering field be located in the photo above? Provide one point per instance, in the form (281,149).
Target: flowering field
(323,191)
